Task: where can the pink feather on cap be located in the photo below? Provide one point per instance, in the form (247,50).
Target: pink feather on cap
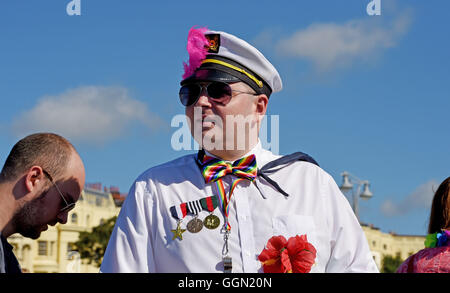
(197,45)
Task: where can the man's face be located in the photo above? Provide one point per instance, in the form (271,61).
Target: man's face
(45,209)
(224,126)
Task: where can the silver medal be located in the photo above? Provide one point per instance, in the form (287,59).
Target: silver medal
(194,225)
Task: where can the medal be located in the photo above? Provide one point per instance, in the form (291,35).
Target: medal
(178,232)
(210,204)
(211,221)
(194,225)
(178,212)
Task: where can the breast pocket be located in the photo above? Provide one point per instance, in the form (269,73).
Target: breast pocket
(292,225)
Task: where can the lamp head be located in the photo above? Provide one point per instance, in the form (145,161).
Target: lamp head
(346,184)
(366,194)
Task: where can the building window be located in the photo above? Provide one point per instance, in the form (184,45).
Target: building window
(374,243)
(384,246)
(74,218)
(42,248)
(98,201)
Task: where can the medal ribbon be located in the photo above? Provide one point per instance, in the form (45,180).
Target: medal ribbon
(209,203)
(179,212)
(194,207)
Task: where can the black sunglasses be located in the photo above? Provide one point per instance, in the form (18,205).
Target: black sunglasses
(68,206)
(219,92)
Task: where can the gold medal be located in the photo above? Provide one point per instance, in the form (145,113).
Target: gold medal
(211,221)
(194,225)
(178,232)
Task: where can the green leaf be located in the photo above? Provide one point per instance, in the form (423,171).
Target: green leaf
(92,245)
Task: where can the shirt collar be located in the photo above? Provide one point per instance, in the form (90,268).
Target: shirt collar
(256,150)
(263,156)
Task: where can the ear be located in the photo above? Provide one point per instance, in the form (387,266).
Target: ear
(33,178)
(261,106)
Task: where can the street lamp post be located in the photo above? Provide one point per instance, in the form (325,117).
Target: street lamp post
(347,184)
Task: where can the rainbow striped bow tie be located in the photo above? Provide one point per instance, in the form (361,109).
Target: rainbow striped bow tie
(214,169)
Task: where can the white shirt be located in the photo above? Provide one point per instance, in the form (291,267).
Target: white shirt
(142,239)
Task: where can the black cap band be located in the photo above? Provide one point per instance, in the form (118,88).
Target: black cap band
(226,70)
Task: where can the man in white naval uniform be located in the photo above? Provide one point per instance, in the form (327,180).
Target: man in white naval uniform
(163,225)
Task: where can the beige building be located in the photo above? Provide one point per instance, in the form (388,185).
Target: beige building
(52,252)
(382,244)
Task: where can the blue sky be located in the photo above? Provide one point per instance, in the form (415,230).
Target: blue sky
(363,94)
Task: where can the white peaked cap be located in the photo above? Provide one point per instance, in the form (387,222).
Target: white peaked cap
(236,49)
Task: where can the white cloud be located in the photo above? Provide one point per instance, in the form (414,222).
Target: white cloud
(332,45)
(93,114)
(420,198)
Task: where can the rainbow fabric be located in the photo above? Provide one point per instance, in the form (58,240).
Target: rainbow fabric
(214,169)
(224,200)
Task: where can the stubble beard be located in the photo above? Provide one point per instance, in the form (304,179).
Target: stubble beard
(25,220)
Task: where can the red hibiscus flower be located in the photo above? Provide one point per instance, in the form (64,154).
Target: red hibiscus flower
(295,255)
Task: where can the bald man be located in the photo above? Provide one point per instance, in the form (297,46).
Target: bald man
(40,183)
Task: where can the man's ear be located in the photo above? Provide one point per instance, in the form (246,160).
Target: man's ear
(33,178)
(261,106)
